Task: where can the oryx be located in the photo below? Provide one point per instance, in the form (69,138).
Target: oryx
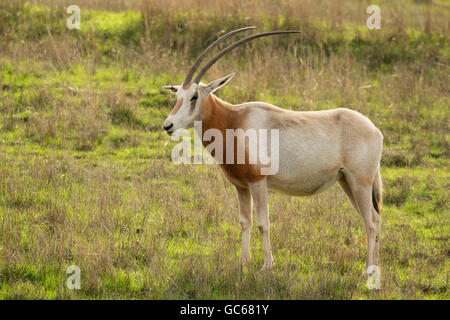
(316,149)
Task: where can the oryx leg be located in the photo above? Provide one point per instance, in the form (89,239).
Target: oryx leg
(362,192)
(348,191)
(245,210)
(260,196)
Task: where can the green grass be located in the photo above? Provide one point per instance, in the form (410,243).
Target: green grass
(86,176)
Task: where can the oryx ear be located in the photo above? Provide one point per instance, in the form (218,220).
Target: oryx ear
(216,84)
(172,89)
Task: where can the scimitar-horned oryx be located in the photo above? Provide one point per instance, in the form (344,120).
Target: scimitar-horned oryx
(316,149)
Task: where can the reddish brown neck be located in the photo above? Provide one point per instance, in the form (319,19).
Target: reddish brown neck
(217,114)
(220,115)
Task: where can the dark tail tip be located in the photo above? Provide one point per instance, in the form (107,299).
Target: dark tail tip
(375,201)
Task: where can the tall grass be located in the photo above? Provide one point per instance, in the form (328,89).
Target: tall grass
(85,171)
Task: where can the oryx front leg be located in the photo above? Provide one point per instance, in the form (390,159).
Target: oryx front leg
(260,197)
(245,210)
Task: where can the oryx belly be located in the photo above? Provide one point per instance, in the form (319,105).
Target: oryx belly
(309,162)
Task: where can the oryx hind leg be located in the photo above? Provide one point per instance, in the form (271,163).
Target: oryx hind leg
(348,191)
(361,190)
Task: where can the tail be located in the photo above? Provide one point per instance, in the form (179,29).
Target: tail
(377,189)
(377,192)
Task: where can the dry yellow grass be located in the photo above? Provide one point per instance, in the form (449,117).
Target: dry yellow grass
(85,171)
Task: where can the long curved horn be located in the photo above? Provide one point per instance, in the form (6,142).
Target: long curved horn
(234,45)
(207,50)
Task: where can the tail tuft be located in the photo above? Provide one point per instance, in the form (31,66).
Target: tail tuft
(376,192)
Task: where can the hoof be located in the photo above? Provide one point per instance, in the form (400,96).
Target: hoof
(372,275)
(244,261)
(268,266)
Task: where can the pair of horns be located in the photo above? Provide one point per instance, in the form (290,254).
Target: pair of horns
(224,51)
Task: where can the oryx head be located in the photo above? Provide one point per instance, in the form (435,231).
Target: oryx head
(190,93)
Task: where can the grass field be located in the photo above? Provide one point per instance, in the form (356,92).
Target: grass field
(85,171)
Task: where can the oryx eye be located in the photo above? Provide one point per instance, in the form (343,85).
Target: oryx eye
(194,97)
